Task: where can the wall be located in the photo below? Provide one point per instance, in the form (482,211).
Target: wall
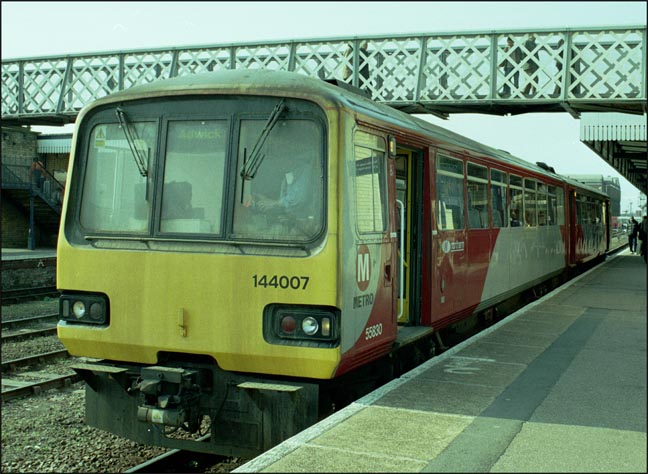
(28,273)
(18,151)
(15,226)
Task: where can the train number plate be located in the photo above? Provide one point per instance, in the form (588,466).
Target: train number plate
(285,282)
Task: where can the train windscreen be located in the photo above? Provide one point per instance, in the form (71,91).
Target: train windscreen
(224,169)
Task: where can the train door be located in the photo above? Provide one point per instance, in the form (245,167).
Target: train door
(575,232)
(408,177)
(607,226)
(449,245)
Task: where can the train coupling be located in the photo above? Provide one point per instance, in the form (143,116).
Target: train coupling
(169,396)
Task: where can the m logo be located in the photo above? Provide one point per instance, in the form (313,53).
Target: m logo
(363,267)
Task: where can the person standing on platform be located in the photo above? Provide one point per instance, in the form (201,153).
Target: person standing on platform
(37,172)
(643,236)
(633,231)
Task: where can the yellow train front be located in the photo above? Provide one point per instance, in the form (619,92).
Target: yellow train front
(207,235)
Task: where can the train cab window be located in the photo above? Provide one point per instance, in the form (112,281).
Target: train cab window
(517,214)
(115,185)
(450,193)
(498,198)
(194,175)
(530,203)
(541,203)
(282,199)
(370,186)
(477,196)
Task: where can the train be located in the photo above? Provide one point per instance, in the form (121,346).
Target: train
(241,250)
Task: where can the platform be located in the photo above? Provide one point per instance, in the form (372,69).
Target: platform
(559,386)
(24,254)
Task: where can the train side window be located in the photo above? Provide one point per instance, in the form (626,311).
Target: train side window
(371,190)
(542,203)
(477,196)
(450,195)
(530,203)
(560,206)
(517,215)
(598,209)
(552,208)
(194,173)
(498,198)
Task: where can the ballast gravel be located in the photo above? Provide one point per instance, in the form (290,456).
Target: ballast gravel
(47,433)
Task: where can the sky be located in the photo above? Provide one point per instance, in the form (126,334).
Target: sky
(34,29)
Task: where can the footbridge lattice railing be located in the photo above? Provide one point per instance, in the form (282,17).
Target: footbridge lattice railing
(590,69)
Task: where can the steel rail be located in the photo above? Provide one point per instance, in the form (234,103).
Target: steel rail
(13,364)
(17,336)
(22,388)
(178,460)
(22,322)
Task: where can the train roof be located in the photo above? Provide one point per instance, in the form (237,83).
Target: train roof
(280,83)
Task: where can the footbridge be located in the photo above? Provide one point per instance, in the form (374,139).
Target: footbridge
(599,69)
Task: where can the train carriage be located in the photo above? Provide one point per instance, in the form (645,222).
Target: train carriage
(237,248)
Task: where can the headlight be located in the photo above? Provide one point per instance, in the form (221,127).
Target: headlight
(315,326)
(310,326)
(78,309)
(83,308)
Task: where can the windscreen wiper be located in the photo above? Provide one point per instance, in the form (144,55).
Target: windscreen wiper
(251,164)
(131,137)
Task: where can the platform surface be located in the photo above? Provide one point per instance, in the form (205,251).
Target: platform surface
(23,254)
(559,386)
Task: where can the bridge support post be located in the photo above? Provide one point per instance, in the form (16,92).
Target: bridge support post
(31,239)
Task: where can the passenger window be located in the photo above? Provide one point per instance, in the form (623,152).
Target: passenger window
(450,193)
(541,203)
(552,208)
(498,198)
(517,215)
(530,203)
(477,197)
(560,206)
(371,194)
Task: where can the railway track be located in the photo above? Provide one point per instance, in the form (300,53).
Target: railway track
(34,383)
(177,460)
(26,334)
(17,295)
(25,328)
(39,359)
(33,373)
(30,321)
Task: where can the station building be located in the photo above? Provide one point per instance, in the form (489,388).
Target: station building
(606,184)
